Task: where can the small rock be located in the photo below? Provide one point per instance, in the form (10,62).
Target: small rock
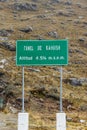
(6,33)
(76,21)
(85,34)
(13,110)
(25,6)
(81,39)
(61,12)
(82,121)
(8,46)
(68,3)
(85,22)
(53,34)
(27,29)
(83,108)
(3,61)
(3,0)
(1,66)
(41,16)
(65,13)
(55,1)
(33,69)
(2,124)
(20,100)
(77,82)
(71,51)
(80,17)
(79,5)
(35,0)
(1,73)
(41,100)
(69,119)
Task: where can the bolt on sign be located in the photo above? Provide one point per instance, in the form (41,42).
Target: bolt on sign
(41,52)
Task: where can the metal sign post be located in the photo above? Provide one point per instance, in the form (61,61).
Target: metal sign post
(23,118)
(61,117)
(23,89)
(61,105)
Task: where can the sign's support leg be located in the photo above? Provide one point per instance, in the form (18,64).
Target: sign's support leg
(23,118)
(61,117)
(61,105)
(23,89)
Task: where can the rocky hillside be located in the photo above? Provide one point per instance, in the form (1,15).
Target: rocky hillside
(43,19)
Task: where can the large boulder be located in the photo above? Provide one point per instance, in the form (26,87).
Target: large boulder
(25,6)
(26,29)
(5,33)
(8,46)
(76,82)
(53,34)
(3,0)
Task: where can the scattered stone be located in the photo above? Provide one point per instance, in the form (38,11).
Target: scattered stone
(79,51)
(3,61)
(1,74)
(52,93)
(2,124)
(68,3)
(85,22)
(80,17)
(41,100)
(34,70)
(24,6)
(79,5)
(85,34)
(3,84)
(71,51)
(61,12)
(39,37)
(5,33)
(81,39)
(20,100)
(69,119)
(83,108)
(1,66)
(76,82)
(82,121)
(35,0)
(8,46)
(65,13)
(3,38)
(41,16)
(53,34)
(55,1)
(13,110)
(3,0)
(76,21)
(27,29)
(2,102)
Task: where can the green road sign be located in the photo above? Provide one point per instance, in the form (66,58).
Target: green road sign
(41,52)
